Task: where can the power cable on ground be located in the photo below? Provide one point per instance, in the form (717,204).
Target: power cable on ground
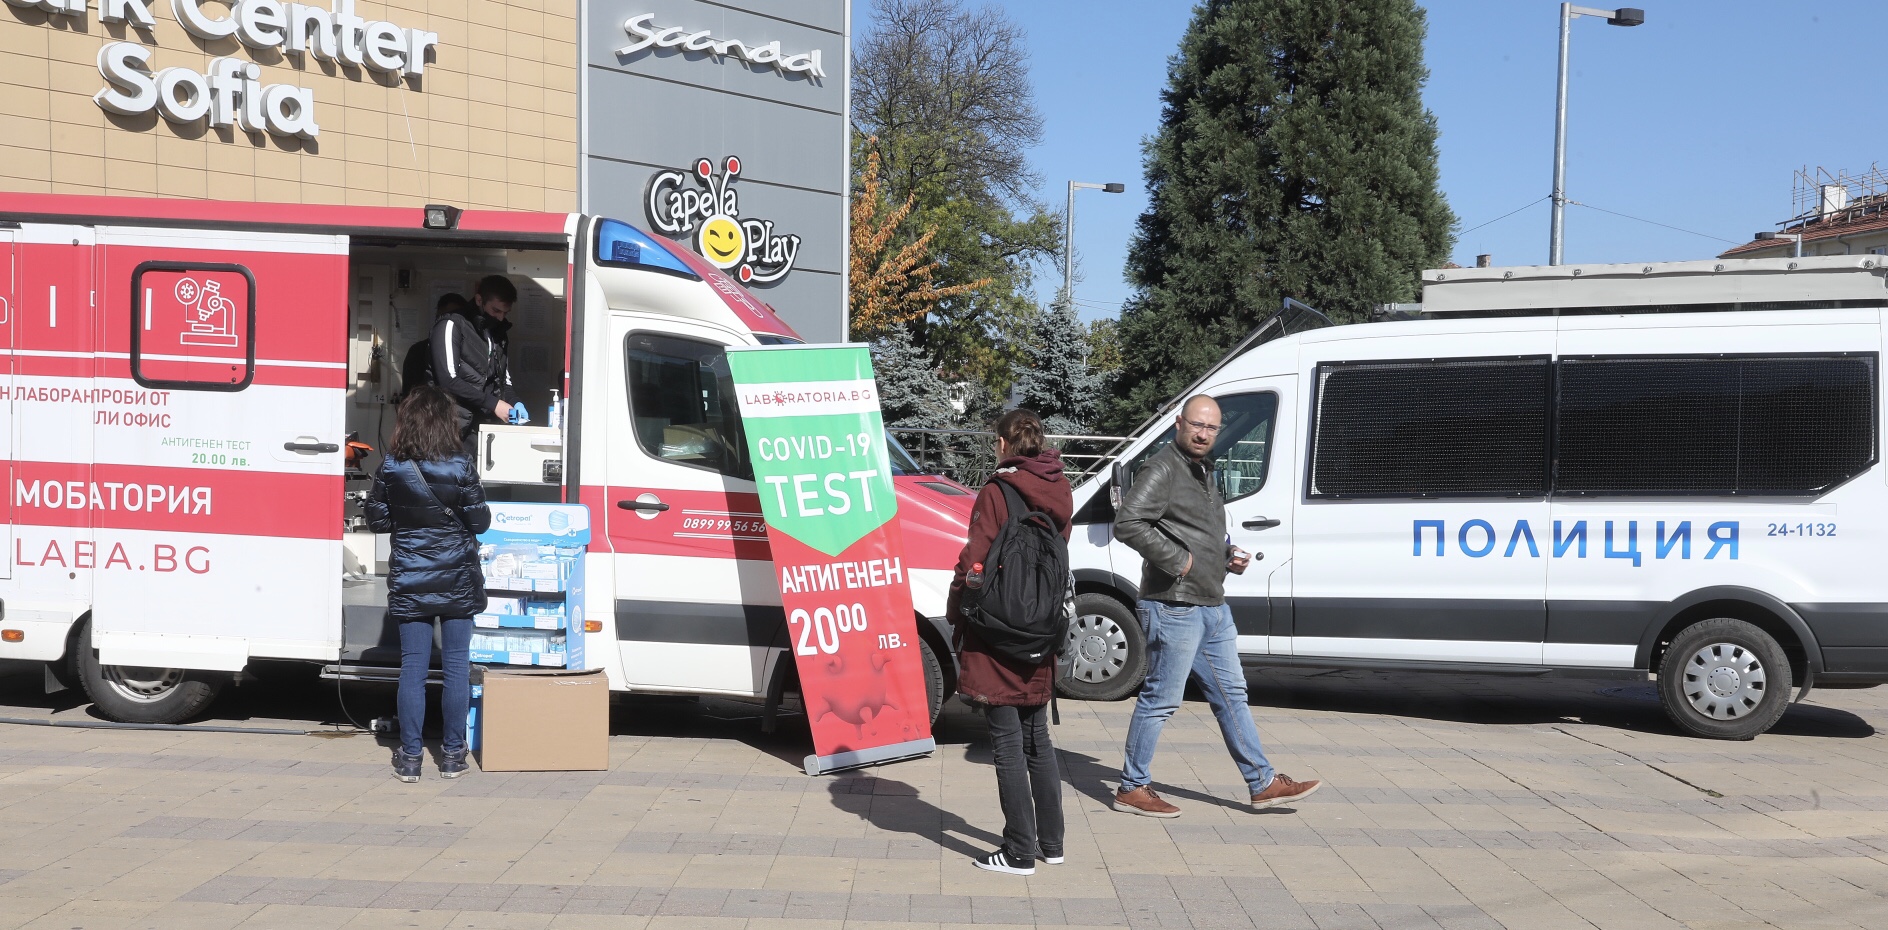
(175,727)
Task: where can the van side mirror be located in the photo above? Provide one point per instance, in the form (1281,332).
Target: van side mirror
(1117,484)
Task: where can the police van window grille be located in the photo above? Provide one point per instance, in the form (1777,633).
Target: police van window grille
(1781,426)
(1420,429)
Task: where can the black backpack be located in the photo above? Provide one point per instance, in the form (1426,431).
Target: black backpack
(1020,612)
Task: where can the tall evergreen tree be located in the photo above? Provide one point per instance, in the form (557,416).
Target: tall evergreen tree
(910,393)
(1294,159)
(1055,378)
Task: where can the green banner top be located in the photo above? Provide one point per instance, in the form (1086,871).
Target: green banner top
(817,441)
(779,364)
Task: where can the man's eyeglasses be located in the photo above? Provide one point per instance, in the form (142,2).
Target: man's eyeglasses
(1203,427)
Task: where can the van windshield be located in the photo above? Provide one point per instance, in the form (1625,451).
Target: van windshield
(902,462)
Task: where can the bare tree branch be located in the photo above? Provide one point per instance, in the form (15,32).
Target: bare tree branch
(947,91)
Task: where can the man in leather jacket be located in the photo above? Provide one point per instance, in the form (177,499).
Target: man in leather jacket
(469,361)
(1174,516)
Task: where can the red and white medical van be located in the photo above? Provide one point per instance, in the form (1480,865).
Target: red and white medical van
(183,382)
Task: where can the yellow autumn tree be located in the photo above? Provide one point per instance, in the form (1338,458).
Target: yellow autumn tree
(891,284)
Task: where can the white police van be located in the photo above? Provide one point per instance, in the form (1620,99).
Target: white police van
(1584,471)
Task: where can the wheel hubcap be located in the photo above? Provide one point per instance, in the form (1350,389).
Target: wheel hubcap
(1724,681)
(1099,647)
(141,684)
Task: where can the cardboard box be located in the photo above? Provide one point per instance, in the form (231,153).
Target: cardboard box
(540,720)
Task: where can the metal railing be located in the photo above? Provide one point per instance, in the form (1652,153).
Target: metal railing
(967,456)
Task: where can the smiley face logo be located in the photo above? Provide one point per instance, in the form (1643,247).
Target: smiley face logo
(721,241)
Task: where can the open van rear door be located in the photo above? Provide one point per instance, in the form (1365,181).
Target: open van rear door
(8,300)
(217,489)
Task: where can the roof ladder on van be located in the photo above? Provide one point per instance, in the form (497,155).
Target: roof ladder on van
(1294,317)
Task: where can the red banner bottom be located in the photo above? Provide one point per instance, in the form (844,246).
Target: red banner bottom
(854,639)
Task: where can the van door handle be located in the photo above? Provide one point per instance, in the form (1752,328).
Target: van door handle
(650,506)
(311,448)
(490,463)
(1260,523)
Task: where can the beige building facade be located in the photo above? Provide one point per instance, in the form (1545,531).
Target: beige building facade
(403,103)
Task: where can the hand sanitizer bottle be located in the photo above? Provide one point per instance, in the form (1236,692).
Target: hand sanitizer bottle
(555,418)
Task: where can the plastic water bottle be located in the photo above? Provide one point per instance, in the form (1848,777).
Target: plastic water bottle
(974,579)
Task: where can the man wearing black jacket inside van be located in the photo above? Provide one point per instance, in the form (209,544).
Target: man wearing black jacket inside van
(469,361)
(1173,515)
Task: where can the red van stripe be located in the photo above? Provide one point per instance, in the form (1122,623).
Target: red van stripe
(190,500)
(91,366)
(720,525)
(698,524)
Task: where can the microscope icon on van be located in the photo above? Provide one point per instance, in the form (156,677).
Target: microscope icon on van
(209,317)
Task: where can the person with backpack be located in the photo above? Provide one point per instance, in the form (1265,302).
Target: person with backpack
(428,496)
(1007,606)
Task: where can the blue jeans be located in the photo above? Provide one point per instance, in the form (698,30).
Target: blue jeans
(455,662)
(1182,638)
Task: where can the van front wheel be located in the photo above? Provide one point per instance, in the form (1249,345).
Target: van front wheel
(1106,651)
(933,678)
(1724,679)
(135,694)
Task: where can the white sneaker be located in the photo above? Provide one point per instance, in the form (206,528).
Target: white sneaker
(1000,861)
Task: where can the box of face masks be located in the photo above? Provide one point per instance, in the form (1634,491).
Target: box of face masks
(532,560)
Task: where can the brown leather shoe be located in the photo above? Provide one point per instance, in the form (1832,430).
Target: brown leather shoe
(1145,802)
(1283,790)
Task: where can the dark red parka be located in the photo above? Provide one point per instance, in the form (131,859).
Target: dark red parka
(985,677)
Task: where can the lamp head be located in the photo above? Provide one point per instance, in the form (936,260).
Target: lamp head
(1626,16)
(440,216)
(1114,188)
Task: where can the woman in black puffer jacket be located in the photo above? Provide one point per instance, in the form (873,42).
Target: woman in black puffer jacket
(429,497)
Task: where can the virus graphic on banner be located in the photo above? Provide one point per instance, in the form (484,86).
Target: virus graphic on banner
(710,211)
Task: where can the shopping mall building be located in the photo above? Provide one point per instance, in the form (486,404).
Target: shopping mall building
(720,125)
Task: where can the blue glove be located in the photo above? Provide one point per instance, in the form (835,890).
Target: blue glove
(519,416)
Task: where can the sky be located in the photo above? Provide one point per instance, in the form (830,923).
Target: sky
(1696,120)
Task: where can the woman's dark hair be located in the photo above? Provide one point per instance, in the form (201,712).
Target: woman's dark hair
(1021,430)
(427,428)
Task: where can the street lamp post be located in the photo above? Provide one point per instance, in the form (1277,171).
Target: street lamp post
(1624,16)
(1068,234)
(1796,238)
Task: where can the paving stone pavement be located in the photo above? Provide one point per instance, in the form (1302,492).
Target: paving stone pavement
(1457,803)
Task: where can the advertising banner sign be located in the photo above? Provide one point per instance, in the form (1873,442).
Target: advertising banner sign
(817,441)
